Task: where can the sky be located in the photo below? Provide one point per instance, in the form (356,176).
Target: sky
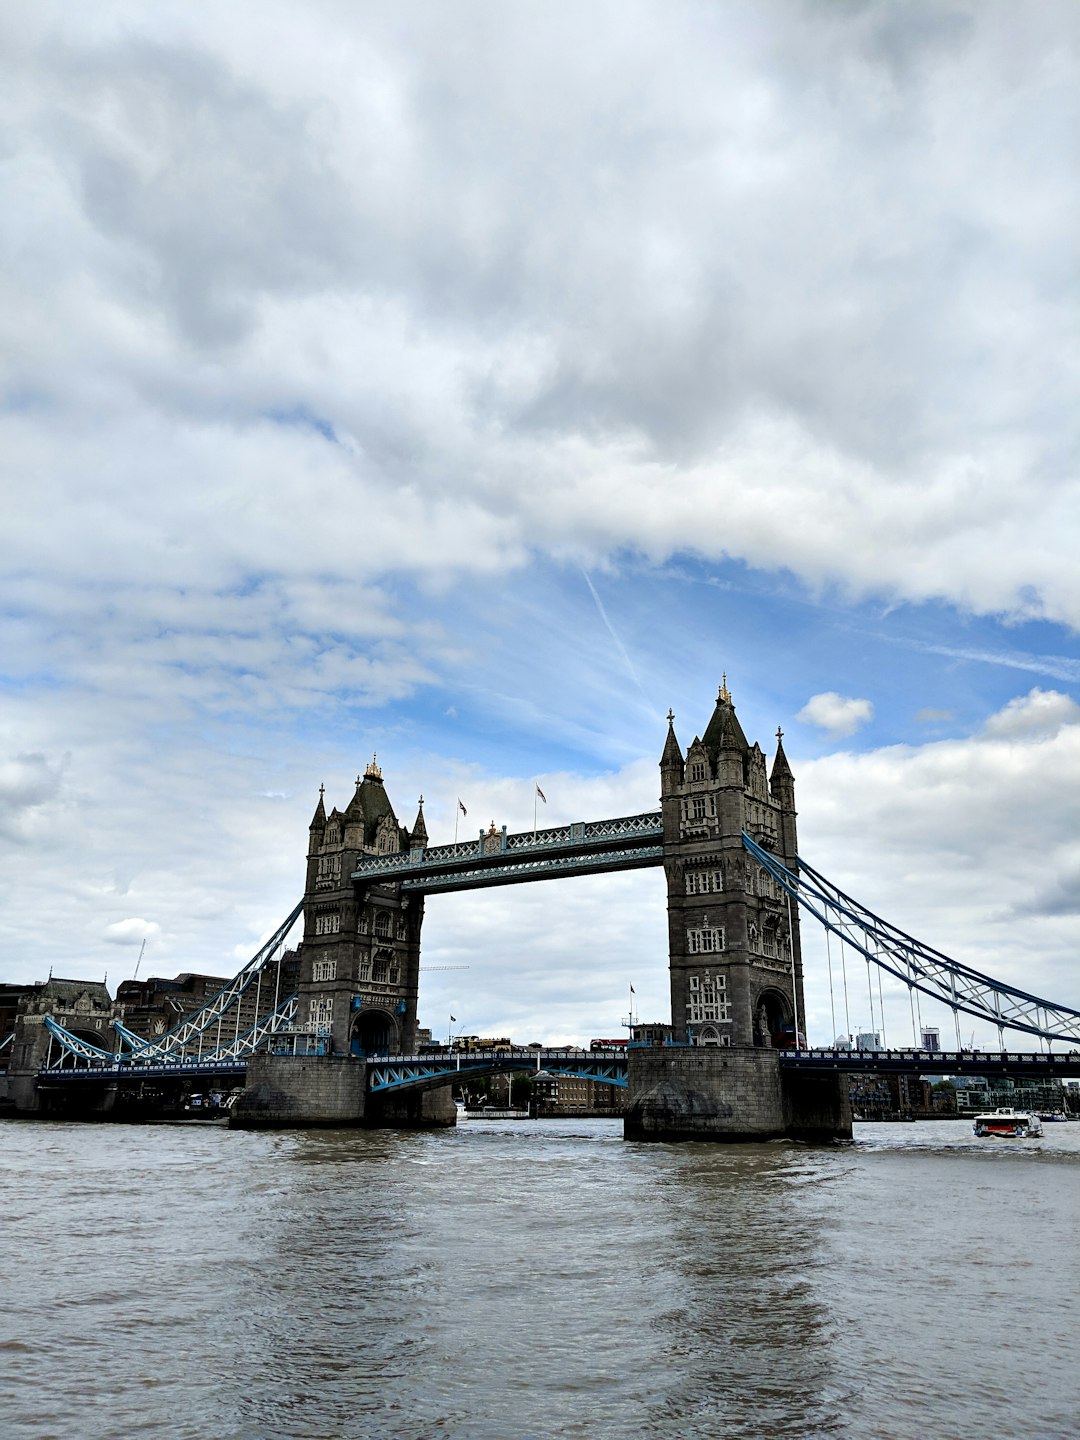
(468,385)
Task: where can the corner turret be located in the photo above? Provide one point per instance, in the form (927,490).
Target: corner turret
(418,837)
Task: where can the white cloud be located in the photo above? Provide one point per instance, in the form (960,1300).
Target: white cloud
(1037,715)
(839,715)
(132,931)
(969,844)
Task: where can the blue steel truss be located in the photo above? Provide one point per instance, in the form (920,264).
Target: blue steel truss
(586,847)
(189,1039)
(423,1072)
(962,989)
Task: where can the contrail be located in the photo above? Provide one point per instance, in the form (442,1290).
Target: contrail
(611,631)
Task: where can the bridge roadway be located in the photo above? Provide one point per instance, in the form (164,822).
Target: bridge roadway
(424,1072)
(1053,1066)
(627,842)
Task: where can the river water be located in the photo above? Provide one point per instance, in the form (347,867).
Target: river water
(535,1279)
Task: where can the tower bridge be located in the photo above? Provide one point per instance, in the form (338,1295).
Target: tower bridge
(341,1048)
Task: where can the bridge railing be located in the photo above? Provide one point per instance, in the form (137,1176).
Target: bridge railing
(579,833)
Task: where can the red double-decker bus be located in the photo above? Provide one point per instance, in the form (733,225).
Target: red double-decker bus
(607,1044)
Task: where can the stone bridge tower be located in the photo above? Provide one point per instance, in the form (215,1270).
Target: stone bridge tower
(733,937)
(360,957)
(734,956)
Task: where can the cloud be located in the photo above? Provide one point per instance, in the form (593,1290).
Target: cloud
(968,844)
(132,931)
(1037,715)
(467,318)
(29,785)
(837,714)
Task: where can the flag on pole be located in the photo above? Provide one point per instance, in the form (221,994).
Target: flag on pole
(461,807)
(541,794)
(453,1019)
(631,989)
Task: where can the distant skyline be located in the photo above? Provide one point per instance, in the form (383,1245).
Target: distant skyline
(472,384)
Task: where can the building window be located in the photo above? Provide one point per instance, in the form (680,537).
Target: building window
(328,923)
(321,1012)
(699,807)
(704,882)
(697,770)
(329,867)
(705,941)
(708,1003)
(324,970)
(382,924)
(385,969)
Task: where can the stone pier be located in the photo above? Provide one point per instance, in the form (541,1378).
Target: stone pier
(730,1094)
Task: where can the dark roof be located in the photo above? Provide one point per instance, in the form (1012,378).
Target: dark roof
(723,730)
(370,803)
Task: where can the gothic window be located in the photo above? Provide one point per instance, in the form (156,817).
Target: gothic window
(328,922)
(704,882)
(705,941)
(321,1012)
(699,807)
(332,835)
(385,970)
(365,968)
(329,867)
(769,941)
(324,970)
(382,924)
(697,770)
(708,1003)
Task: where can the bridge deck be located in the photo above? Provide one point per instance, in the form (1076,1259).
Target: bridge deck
(928,1062)
(628,842)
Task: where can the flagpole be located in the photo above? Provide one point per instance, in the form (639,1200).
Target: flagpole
(534,809)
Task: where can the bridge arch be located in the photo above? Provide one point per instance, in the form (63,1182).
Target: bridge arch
(774,1019)
(374,1032)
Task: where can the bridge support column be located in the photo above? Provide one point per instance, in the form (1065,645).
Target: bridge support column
(431,1109)
(817,1107)
(736,1093)
(682,1092)
(286,1091)
(306,1091)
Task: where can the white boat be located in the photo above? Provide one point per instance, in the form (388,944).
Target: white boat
(1015,1124)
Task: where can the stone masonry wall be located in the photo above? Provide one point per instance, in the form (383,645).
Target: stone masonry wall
(302,1090)
(695,1093)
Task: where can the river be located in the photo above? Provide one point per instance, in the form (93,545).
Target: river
(527,1280)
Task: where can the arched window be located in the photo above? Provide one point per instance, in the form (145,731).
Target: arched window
(382,924)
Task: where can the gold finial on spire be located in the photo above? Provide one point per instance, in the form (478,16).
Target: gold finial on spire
(373,771)
(725,693)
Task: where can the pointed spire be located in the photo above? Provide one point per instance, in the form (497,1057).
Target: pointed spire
(723,731)
(671,761)
(319,818)
(419,834)
(781,779)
